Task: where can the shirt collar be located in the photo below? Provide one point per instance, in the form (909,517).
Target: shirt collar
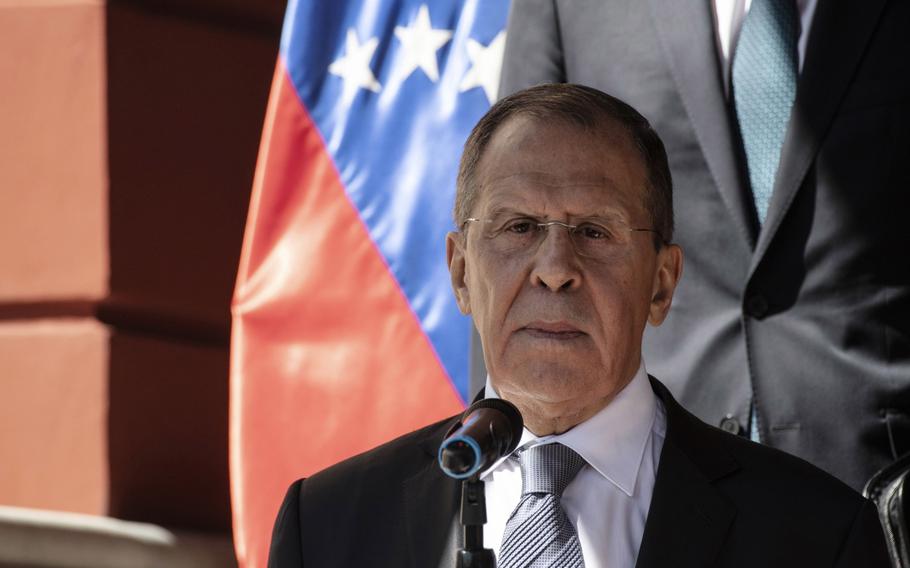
(612,441)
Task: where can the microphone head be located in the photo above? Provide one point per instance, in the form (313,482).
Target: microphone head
(514,422)
(488,430)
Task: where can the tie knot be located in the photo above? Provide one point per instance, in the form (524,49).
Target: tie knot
(548,468)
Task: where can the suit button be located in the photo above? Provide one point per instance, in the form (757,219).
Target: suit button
(730,424)
(756,306)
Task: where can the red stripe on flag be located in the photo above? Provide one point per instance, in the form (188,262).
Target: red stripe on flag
(327,358)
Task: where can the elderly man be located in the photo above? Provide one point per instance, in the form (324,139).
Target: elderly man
(563,256)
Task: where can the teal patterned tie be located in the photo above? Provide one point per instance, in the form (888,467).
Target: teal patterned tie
(765,69)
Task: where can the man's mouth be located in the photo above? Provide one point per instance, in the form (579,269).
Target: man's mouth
(552,330)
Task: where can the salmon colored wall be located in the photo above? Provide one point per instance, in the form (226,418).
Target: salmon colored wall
(128,137)
(53,414)
(53,256)
(53,154)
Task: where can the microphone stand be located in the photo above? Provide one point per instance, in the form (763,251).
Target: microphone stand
(473,517)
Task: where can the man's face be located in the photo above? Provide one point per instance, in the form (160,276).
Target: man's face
(561,329)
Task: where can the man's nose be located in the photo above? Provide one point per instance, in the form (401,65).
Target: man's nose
(555,262)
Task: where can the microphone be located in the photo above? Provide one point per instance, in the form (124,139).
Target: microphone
(488,430)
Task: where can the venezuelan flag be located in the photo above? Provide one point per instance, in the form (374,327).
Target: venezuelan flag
(345,329)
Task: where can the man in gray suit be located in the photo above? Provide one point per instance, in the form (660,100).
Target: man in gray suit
(793,319)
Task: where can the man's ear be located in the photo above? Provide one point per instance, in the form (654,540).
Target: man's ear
(669,269)
(455,258)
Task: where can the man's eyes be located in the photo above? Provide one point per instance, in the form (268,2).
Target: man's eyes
(593,232)
(520,226)
(525,225)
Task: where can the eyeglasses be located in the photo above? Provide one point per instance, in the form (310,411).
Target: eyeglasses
(599,240)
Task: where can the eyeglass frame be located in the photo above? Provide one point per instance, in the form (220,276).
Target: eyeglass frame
(545,226)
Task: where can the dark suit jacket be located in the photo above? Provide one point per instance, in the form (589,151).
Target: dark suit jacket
(811,314)
(719,500)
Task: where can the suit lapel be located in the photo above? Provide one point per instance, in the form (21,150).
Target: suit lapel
(840,31)
(687,37)
(689,518)
(431,500)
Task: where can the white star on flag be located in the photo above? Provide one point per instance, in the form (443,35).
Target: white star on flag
(420,42)
(354,65)
(486,63)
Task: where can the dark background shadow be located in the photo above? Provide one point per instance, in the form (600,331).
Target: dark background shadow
(188,84)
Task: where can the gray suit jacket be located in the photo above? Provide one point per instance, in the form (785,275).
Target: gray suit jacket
(718,501)
(809,314)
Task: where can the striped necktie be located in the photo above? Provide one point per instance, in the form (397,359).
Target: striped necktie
(538,534)
(765,69)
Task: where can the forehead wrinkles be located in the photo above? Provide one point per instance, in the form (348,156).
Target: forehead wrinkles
(535,192)
(550,180)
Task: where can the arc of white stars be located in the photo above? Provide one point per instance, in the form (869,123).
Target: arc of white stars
(486,63)
(354,65)
(419,43)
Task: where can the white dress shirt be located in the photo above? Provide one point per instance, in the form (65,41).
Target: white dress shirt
(729,16)
(609,499)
